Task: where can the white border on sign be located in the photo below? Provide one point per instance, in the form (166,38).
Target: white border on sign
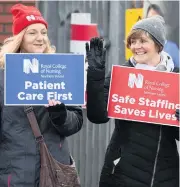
(155,123)
(131,119)
(77,54)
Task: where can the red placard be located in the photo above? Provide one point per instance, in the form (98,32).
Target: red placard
(144,95)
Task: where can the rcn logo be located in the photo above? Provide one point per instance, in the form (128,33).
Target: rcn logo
(30,18)
(30,66)
(133,80)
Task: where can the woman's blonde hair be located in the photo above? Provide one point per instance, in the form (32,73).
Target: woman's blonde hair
(137,34)
(12,45)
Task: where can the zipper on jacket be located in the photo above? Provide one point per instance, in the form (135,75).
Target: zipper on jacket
(156,158)
(115,162)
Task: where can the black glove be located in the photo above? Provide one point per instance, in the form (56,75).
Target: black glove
(95,54)
(177,114)
(58,113)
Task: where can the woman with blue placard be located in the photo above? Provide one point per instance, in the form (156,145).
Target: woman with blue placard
(139,154)
(27,132)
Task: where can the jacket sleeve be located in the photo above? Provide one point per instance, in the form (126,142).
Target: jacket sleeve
(67,120)
(97,95)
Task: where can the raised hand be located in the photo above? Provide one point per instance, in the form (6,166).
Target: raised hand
(95,54)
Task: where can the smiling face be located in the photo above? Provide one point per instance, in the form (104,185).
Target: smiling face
(143,47)
(35,39)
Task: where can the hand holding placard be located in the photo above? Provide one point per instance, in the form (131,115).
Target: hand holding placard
(177,114)
(52,103)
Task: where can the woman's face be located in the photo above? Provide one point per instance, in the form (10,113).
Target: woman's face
(35,39)
(143,49)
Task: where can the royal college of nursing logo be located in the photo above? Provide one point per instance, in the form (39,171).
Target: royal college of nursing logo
(32,66)
(30,18)
(133,80)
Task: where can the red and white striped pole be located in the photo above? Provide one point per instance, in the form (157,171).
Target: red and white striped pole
(81,32)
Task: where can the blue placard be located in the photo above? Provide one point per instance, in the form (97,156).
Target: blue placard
(33,79)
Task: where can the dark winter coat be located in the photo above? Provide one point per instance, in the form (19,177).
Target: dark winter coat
(148,153)
(19,152)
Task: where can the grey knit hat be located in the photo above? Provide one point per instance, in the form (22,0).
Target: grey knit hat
(155,26)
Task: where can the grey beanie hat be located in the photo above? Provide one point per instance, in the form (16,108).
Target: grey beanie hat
(155,26)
